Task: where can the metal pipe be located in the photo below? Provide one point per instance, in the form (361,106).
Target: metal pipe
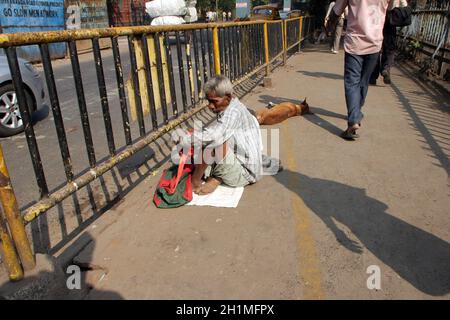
(266,48)
(162,90)
(33,148)
(12,213)
(222,49)
(56,110)
(121,89)
(27,38)
(136,88)
(204,56)
(209,34)
(235,52)
(300,34)
(189,67)
(239,50)
(171,76)
(149,81)
(8,252)
(226,53)
(197,64)
(284,40)
(216,50)
(103,96)
(78,81)
(181,70)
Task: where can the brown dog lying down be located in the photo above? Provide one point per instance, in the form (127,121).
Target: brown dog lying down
(280,112)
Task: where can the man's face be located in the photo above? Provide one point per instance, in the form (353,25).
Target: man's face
(217,104)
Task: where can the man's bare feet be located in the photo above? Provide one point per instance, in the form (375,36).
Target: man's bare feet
(196,186)
(209,186)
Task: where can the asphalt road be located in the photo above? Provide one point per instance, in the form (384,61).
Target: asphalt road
(16,149)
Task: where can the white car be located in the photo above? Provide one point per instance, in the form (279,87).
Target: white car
(10,118)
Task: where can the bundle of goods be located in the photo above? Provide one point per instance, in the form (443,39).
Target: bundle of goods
(164,12)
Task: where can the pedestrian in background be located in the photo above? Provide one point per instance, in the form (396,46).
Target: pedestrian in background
(324,32)
(362,45)
(384,64)
(338,31)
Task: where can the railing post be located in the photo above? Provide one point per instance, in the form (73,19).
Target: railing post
(9,255)
(300,34)
(266,47)
(216,49)
(12,213)
(284,34)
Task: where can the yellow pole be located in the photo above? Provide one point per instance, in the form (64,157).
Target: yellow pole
(284,31)
(12,213)
(300,34)
(216,49)
(8,251)
(266,47)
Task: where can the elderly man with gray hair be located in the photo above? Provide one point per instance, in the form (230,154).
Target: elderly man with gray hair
(234,140)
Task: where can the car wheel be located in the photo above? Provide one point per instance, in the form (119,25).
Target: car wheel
(11,121)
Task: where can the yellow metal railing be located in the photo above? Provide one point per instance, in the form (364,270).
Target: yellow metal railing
(15,246)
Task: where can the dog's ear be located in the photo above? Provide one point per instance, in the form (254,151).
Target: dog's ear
(304,101)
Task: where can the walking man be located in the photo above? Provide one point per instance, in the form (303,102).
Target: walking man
(362,44)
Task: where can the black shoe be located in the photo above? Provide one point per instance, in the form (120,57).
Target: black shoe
(348,135)
(386,77)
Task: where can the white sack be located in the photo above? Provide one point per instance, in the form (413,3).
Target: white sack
(168,20)
(161,8)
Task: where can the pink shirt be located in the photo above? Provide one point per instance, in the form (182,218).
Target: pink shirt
(365,23)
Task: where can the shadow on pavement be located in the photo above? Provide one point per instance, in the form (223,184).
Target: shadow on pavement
(327,75)
(417,256)
(51,281)
(431,126)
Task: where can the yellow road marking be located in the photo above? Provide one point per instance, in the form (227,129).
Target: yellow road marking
(309,266)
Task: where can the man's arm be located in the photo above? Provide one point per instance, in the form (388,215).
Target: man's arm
(336,12)
(218,133)
(330,8)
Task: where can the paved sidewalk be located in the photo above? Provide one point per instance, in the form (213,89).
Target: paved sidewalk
(313,230)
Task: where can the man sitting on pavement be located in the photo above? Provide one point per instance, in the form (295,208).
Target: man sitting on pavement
(233,142)
(231,148)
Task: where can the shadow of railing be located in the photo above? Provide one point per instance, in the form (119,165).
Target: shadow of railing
(428,110)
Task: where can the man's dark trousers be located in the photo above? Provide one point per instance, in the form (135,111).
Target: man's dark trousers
(358,69)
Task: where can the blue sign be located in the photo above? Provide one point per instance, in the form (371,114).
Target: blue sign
(33,15)
(242,8)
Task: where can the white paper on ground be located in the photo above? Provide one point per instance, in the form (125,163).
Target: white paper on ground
(223,196)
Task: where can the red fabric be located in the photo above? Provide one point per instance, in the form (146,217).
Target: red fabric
(182,169)
(170,185)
